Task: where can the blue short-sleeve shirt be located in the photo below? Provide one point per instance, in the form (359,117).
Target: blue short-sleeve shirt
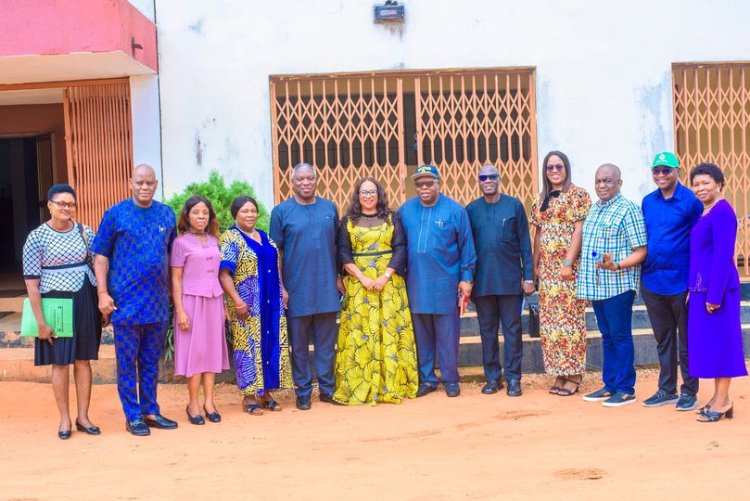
(136,241)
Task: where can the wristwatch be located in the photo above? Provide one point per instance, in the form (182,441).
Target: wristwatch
(566,262)
(388,275)
(617,265)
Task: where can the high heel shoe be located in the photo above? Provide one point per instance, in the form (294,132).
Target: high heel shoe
(63,434)
(713,416)
(93,430)
(198,420)
(703,409)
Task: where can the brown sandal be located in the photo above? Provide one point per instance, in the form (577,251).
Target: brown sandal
(567,392)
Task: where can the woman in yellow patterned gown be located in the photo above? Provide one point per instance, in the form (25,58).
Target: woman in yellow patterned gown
(249,275)
(376,358)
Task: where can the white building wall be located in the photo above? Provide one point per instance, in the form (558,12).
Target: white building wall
(603,70)
(144,96)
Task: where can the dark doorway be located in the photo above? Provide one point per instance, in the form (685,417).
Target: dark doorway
(26,173)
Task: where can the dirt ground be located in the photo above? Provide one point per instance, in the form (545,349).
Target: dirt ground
(474,446)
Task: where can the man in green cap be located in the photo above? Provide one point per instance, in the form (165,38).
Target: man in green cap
(670,212)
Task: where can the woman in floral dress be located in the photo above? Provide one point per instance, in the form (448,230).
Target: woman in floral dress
(557,215)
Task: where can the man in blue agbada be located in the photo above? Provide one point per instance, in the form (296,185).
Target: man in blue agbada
(132,274)
(440,268)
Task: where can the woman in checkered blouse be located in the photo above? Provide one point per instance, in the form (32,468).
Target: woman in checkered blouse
(56,263)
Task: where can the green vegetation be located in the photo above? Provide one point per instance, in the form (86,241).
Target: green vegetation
(221,196)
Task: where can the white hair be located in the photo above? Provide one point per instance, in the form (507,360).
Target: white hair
(303,166)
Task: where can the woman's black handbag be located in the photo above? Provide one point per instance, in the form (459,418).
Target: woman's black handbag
(533,306)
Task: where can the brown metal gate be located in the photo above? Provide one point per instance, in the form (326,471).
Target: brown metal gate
(99,142)
(385,124)
(712,124)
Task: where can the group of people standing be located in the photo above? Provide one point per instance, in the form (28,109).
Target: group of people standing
(399,281)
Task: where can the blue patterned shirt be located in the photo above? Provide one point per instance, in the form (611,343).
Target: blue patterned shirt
(136,241)
(615,226)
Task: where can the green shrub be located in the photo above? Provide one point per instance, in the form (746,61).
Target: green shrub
(221,197)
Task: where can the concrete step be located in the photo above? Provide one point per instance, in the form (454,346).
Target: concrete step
(17,364)
(11,304)
(10,325)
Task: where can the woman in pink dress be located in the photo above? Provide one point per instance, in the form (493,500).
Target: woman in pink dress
(200,348)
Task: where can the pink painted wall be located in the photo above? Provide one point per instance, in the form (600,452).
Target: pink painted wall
(63,26)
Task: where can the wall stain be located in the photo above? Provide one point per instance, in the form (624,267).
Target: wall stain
(199,147)
(649,99)
(197,27)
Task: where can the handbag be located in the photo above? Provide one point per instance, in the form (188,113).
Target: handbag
(533,307)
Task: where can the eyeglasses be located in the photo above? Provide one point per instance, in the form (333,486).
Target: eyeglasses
(427,183)
(556,168)
(368,193)
(487,177)
(64,205)
(665,171)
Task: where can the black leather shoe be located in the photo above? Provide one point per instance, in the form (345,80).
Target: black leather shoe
(425,389)
(137,427)
(93,430)
(327,398)
(514,389)
(492,387)
(452,389)
(197,420)
(63,435)
(303,403)
(160,422)
(214,416)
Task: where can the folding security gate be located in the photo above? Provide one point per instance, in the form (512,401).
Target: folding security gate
(386,124)
(712,124)
(99,143)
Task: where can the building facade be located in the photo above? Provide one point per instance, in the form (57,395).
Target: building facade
(250,88)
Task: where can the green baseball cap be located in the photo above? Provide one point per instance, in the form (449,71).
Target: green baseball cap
(666,159)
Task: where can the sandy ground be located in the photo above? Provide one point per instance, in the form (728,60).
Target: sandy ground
(474,446)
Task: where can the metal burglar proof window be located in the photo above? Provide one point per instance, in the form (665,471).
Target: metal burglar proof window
(385,124)
(712,124)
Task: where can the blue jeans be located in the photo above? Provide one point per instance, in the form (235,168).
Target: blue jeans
(441,332)
(614,316)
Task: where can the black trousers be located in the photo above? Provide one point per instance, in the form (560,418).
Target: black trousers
(491,312)
(668,315)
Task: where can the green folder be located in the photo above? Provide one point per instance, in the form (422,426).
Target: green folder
(58,313)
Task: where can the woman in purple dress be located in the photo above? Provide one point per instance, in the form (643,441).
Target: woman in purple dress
(200,348)
(714,329)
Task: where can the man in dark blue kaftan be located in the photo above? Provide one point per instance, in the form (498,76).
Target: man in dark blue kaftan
(304,229)
(505,271)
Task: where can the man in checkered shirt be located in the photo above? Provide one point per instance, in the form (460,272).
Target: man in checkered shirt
(614,246)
